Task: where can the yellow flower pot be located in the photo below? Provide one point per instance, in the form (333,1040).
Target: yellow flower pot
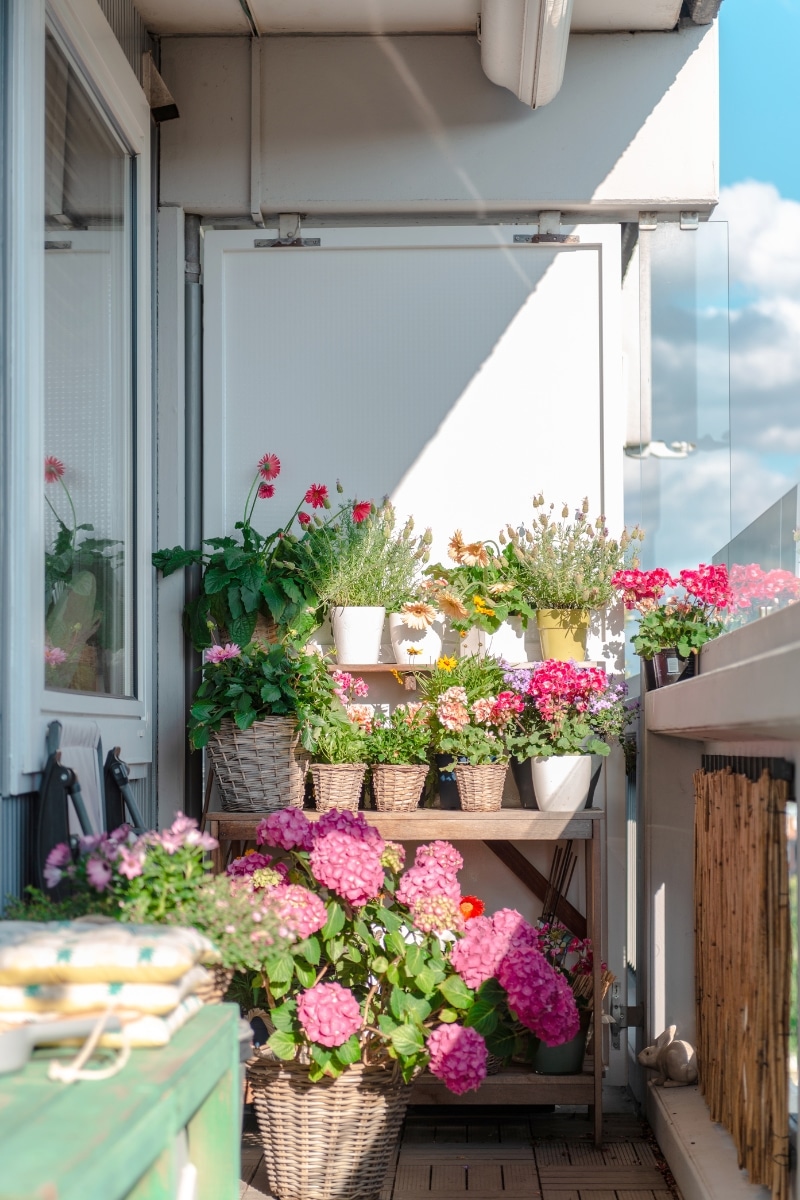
(563,632)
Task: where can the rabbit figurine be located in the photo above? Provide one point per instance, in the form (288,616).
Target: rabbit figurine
(675,1061)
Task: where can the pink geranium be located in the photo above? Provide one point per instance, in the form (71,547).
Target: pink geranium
(641,589)
(329,1014)
(709,585)
(457,1057)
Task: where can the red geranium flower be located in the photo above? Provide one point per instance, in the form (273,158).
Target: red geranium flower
(53,469)
(316,495)
(471,906)
(361,511)
(266,491)
(304,518)
(269,467)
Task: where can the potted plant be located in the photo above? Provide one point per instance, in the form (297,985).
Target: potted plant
(565,569)
(574,959)
(673,629)
(382,981)
(259,711)
(567,711)
(398,746)
(752,586)
(417,629)
(482,597)
(339,764)
(360,567)
(83,598)
(252,583)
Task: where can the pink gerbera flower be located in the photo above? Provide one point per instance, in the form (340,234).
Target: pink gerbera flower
(269,467)
(218,654)
(361,511)
(304,518)
(53,469)
(266,491)
(316,495)
(54,656)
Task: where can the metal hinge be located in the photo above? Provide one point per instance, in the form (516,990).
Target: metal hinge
(623,1016)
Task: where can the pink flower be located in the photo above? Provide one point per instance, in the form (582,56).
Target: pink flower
(288,828)
(421,882)
(442,853)
(304,518)
(130,862)
(54,656)
(329,1014)
(361,715)
(709,585)
(477,956)
(361,511)
(346,856)
(457,1057)
(641,589)
(298,909)
(266,491)
(316,495)
(451,708)
(436,914)
(269,466)
(539,995)
(53,469)
(482,709)
(98,872)
(60,856)
(394,855)
(218,654)
(248,863)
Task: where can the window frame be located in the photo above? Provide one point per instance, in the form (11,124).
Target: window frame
(89,43)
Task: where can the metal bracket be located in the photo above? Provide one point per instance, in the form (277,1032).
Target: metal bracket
(623,1016)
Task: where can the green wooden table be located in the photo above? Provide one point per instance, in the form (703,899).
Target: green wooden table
(121,1137)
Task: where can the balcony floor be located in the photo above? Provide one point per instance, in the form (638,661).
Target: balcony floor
(489,1153)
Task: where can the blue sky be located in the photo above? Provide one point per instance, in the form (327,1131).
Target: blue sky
(760,93)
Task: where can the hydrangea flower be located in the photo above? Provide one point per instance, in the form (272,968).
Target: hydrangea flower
(539,995)
(346,856)
(248,863)
(290,829)
(457,1057)
(442,853)
(329,1014)
(437,914)
(418,883)
(298,909)
(394,856)
(477,956)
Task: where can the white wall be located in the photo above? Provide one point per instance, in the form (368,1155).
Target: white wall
(411,125)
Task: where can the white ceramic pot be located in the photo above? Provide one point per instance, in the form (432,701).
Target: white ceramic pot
(562,782)
(474,644)
(507,642)
(415,647)
(357,634)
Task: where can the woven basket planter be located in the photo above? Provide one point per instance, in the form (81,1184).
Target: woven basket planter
(337,785)
(398,787)
(219,980)
(259,769)
(481,788)
(332,1140)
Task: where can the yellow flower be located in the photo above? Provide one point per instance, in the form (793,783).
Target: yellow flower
(481,606)
(411,651)
(451,606)
(447,664)
(398,677)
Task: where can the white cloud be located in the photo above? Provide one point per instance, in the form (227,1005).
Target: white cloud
(765,343)
(764,232)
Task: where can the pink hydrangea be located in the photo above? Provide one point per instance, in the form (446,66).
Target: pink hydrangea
(299,910)
(477,956)
(539,995)
(513,930)
(329,1014)
(394,856)
(249,863)
(430,880)
(437,914)
(289,828)
(457,1057)
(442,853)
(346,856)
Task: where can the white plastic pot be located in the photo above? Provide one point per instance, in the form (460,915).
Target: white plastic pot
(506,643)
(357,634)
(415,647)
(562,782)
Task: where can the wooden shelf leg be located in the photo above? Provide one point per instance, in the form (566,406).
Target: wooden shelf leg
(595,907)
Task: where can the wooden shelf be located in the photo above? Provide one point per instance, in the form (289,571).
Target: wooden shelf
(515,1085)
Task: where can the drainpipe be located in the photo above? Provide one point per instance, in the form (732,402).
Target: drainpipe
(193,367)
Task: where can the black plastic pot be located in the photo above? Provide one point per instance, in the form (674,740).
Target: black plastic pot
(448,788)
(523,778)
(667,667)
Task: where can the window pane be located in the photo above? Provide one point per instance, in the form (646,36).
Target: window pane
(88,393)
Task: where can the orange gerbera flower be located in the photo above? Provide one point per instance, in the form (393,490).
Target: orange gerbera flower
(471,906)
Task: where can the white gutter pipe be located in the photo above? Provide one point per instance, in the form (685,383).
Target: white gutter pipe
(524,46)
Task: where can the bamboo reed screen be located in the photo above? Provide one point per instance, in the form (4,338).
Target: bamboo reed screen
(743,965)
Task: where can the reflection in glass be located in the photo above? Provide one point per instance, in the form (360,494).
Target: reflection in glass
(88,376)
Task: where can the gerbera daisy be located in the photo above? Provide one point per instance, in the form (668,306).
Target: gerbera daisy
(471,906)
(316,495)
(418,615)
(451,606)
(455,547)
(53,469)
(361,511)
(266,491)
(304,518)
(474,555)
(269,467)
(500,589)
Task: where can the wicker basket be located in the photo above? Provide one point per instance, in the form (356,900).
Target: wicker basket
(332,1140)
(259,769)
(337,785)
(214,989)
(398,788)
(481,788)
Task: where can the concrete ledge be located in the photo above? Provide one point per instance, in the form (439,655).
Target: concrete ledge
(700,1153)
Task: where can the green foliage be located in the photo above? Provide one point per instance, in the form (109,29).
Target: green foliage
(403,736)
(479,677)
(538,740)
(263,680)
(569,564)
(675,624)
(366,563)
(474,744)
(340,741)
(488,590)
(36,905)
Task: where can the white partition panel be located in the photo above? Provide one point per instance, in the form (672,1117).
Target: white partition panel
(457,370)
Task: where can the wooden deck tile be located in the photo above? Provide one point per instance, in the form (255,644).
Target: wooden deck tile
(600,1177)
(520,1179)
(448,1179)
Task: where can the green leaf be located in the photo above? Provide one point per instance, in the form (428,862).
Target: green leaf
(281,969)
(427,980)
(335,921)
(379,965)
(415,959)
(386,1024)
(407,1039)
(398,943)
(448,1015)
(336,948)
(456,992)
(305,973)
(310,950)
(350,1052)
(483,1017)
(282,1045)
(283,1017)
(321,1054)
(502,1042)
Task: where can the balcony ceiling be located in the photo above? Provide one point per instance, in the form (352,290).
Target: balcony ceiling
(382,16)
